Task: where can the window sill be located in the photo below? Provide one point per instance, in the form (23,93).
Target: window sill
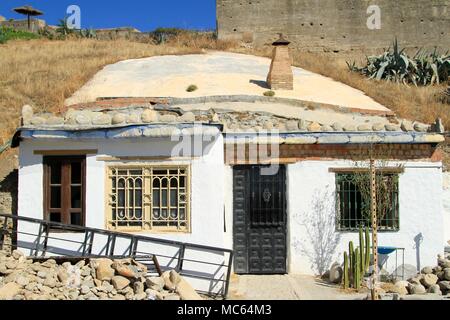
(152,232)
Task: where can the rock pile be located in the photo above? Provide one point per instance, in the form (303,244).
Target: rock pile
(96,279)
(431,280)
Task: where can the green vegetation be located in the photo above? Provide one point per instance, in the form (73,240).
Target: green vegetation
(269,93)
(192,88)
(63,32)
(425,68)
(357,261)
(7,34)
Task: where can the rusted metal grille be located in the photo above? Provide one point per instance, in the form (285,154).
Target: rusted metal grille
(148,198)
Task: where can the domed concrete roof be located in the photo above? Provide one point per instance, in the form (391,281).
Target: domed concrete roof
(215,74)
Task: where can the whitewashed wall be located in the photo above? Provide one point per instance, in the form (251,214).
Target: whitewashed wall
(207,190)
(311,209)
(446,203)
(312,186)
(309,184)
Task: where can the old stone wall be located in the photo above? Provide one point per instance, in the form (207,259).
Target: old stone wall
(333,25)
(35,26)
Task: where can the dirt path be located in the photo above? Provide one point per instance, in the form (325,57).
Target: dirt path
(286,287)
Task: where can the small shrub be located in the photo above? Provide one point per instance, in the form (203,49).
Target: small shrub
(192,88)
(269,93)
(7,34)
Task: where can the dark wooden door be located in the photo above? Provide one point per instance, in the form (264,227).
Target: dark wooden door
(260,225)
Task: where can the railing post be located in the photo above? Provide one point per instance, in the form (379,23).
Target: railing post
(3,232)
(46,231)
(227,283)
(113,245)
(38,240)
(181,258)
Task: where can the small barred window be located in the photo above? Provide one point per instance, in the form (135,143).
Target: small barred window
(353,202)
(149,198)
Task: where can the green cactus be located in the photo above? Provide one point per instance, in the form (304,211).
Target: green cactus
(357,270)
(346,277)
(367,249)
(351,256)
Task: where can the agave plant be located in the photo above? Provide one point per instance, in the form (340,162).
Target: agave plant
(395,65)
(88,33)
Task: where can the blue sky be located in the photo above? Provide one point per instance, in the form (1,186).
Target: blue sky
(144,15)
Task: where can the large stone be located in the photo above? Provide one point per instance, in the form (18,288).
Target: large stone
(22,281)
(350,128)
(168,284)
(407,126)
(337,126)
(125,270)
(155,283)
(101,119)
(378,127)
(138,287)
(190,117)
(314,127)
(133,118)
(63,276)
(83,119)
(447,274)
(186,292)
(292,125)
(429,280)
(153,295)
(427,270)
(327,128)
(119,118)
(103,269)
(27,114)
(149,116)
(434,289)
(365,127)
(168,118)
(85,289)
(444,286)
(16,254)
(120,282)
(395,288)
(9,291)
(419,127)
(336,273)
(417,289)
(392,127)
(401,287)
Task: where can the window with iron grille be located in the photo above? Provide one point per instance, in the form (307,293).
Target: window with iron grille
(353,208)
(152,198)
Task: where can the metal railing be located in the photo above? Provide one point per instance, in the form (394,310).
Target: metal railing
(207,267)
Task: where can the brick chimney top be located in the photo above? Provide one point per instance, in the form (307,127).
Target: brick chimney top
(281,76)
(281,41)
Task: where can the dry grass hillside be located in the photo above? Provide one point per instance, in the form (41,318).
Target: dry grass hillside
(44,73)
(410,102)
